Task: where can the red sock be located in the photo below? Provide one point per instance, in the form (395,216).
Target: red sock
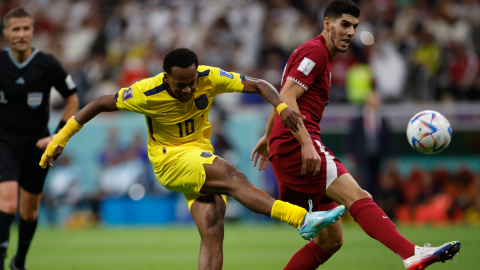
(309,257)
(377,225)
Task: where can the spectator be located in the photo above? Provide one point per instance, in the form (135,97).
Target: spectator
(369,142)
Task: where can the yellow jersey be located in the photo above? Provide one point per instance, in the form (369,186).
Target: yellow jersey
(174,126)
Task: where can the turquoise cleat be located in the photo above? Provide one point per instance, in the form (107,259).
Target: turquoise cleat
(315,221)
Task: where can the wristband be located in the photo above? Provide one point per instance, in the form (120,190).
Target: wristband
(281,107)
(61,139)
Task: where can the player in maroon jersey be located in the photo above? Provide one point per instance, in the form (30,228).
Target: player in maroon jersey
(307,170)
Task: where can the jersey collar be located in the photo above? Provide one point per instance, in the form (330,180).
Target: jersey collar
(24,63)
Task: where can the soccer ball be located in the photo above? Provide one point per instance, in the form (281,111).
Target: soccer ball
(429,132)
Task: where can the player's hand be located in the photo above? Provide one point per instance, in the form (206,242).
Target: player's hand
(43,142)
(292,119)
(47,159)
(311,161)
(261,150)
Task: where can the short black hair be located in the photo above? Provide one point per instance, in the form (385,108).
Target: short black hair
(337,8)
(180,57)
(18,12)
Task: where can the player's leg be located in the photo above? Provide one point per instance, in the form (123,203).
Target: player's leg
(368,215)
(316,252)
(377,225)
(9,173)
(8,209)
(330,239)
(224,178)
(208,212)
(32,178)
(29,204)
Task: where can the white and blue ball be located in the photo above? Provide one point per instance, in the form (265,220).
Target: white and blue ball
(429,132)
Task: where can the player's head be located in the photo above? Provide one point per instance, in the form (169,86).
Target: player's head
(340,21)
(180,66)
(18,29)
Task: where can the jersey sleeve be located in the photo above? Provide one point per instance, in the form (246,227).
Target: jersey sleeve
(306,67)
(62,81)
(227,82)
(132,99)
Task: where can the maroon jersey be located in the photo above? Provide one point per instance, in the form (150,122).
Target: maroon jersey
(309,67)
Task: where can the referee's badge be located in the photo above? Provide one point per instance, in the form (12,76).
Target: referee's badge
(34,99)
(201,102)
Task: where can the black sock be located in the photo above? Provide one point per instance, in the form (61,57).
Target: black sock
(25,236)
(5,222)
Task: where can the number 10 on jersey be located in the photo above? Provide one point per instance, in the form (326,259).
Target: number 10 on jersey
(189,127)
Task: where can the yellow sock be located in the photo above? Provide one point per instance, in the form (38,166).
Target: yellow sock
(288,213)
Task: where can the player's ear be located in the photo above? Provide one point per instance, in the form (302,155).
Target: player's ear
(326,23)
(165,77)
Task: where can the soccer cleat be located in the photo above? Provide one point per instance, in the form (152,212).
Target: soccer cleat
(13,266)
(424,256)
(315,221)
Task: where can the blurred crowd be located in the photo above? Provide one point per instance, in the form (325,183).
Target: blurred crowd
(437,196)
(423,50)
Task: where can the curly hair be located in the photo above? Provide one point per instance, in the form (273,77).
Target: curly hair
(180,57)
(337,8)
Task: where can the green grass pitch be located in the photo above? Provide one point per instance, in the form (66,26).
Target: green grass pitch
(245,247)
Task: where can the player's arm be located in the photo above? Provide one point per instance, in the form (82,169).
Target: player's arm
(262,149)
(270,94)
(311,160)
(71,107)
(106,103)
(54,149)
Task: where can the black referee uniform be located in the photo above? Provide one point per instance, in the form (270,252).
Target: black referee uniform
(24,114)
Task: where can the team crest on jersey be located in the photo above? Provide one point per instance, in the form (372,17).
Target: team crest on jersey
(201,102)
(34,99)
(127,94)
(225,74)
(205,154)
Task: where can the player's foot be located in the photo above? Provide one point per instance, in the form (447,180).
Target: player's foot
(315,221)
(424,256)
(13,266)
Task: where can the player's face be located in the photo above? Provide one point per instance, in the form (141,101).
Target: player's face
(342,31)
(19,33)
(183,82)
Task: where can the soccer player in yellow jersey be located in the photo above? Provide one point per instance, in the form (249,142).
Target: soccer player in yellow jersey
(176,105)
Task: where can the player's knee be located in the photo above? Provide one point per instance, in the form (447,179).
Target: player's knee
(9,207)
(330,244)
(336,244)
(236,178)
(366,194)
(29,216)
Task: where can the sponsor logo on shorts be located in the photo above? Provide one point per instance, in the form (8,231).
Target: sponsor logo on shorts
(205,154)
(127,94)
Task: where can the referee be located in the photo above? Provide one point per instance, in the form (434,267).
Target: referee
(27,75)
